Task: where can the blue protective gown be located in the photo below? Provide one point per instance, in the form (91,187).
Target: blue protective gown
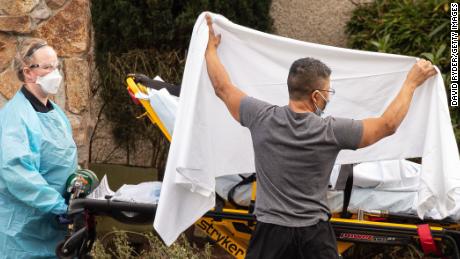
(37,154)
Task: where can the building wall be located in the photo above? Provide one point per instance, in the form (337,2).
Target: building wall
(65,25)
(315,21)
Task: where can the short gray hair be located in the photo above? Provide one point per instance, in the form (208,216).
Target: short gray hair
(305,76)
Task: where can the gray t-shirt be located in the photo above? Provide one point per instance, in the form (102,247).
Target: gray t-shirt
(294,157)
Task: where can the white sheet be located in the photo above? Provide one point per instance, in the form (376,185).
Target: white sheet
(371,199)
(392,201)
(207,142)
(163,103)
(145,192)
(241,195)
(394,175)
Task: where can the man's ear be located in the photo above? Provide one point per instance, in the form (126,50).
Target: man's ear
(314,96)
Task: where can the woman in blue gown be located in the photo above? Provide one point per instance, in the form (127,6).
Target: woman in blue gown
(37,154)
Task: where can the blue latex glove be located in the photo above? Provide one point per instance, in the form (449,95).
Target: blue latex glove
(63,219)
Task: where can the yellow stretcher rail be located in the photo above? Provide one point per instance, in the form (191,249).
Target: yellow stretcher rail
(135,88)
(381,224)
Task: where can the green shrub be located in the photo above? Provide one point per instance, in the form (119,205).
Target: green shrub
(419,28)
(152,37)
(122,112)
(123,25)
(122,245)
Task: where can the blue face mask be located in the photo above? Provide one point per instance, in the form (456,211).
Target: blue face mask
(319,111)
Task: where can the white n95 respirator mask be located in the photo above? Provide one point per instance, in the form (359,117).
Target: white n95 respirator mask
(50,83)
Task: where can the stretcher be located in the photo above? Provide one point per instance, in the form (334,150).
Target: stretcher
(230,225)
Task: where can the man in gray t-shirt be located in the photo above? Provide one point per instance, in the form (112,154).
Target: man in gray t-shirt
(294,156)
(295,150)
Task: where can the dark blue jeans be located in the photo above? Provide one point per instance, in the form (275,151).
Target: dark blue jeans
(271,241)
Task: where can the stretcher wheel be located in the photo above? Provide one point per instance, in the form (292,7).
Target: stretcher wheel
(69,255)
(62,254)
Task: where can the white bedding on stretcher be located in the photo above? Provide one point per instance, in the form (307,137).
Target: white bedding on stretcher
(394,202)
(393,175)
(163,103)
(145,192)
(375,187)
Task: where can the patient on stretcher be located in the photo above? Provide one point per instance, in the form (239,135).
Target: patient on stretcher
(382,185)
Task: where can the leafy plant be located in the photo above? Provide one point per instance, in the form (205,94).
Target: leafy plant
(417,28)
(152,37)
(121,246)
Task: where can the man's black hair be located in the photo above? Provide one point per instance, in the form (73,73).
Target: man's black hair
(306,75)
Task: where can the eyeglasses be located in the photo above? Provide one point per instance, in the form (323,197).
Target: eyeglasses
(48,66)
(331,90)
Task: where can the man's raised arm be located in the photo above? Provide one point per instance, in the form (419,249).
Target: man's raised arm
(374,129)
(220,80)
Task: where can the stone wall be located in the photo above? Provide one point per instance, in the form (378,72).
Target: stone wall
(65,25)
(315,21)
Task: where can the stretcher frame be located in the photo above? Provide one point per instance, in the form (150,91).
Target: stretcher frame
(224,225)
(231,228)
